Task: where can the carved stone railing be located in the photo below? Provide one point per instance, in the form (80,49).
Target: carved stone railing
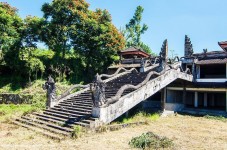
(171,61)
(102,102)
(115,75)
(67,92)
(126,102)
(130,86)
(148,65)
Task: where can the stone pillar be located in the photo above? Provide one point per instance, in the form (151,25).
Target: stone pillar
(196,100)
(197,72)
(226,70)
(205,100)
(226,101)
(163,98)
(127,114)
(184,94)
(212,100)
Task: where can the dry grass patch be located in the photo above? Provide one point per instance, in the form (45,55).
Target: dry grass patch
(186,132)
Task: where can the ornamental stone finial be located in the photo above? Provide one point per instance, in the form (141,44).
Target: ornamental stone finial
(51,91)
(188,48)
(163,55)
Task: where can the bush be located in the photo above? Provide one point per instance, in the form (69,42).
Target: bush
(150,141)
(139,117)
(77,131)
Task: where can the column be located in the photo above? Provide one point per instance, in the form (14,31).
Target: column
(205,100)
(163,98)
(226,102)
(196,100)
(212,100)
(184,94)
(226,70)
(198,72)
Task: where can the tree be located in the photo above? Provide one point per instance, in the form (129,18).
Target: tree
(11,31)
(134,30)
(70,24)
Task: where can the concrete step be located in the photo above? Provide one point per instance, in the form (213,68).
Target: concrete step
(62,122)
(75,104)
(48,124)
(50,116)
(58,115)
(74,108)
(78,102)
(41,131)
(78,98)
(63,113)
(72,111)
(28,122)
(86,125)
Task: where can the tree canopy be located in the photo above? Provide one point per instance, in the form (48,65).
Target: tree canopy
(80,42)
(133,31)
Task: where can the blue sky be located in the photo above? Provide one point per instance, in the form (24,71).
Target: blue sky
(204,21)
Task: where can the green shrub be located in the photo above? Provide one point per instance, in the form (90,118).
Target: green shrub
(77,131)
(150,141)
(139,117)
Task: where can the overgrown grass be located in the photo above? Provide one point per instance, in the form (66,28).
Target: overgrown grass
(78,131)
(34,88)
(150,141)
(139,117)
(8,112)
(221,118)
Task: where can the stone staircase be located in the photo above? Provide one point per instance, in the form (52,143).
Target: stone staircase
(77,109)
(58,122)
(150,81)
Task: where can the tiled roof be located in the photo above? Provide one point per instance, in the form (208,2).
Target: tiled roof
(212,61)
(210,53)
(132,49)
(223,45)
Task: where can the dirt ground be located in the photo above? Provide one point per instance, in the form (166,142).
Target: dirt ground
(186,132)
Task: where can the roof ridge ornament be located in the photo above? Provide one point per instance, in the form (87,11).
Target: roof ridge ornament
(188,48)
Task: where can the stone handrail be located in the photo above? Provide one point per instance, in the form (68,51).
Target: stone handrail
(116,73)
(174,59)
(130,86)
(128,101)
(67,92)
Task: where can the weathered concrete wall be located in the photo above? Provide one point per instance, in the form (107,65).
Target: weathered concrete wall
(128,101)
(174,106)
(15,99)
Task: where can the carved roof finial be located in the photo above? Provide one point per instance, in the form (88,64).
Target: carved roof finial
(188,48)
(164,50)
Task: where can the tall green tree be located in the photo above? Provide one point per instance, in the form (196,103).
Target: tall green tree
(133,31)
(97,41)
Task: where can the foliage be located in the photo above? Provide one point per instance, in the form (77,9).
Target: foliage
(150,141)
(134,30)
(98,41)
(139,117)
(11,33)
(82,42)
(77,131)
(10,111)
